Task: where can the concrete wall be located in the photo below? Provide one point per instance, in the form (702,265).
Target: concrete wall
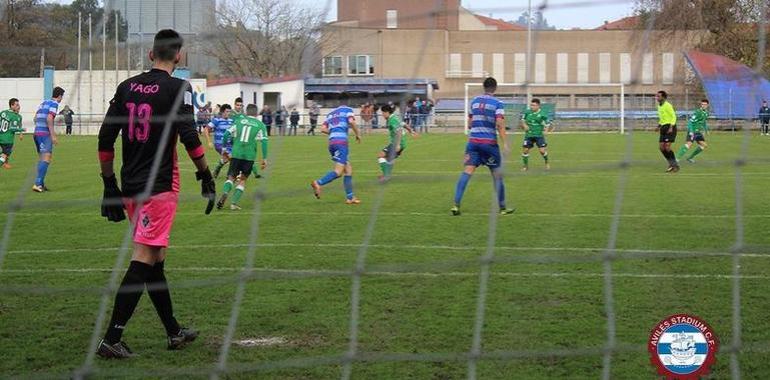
(29,91)
(411,14)
(292,93)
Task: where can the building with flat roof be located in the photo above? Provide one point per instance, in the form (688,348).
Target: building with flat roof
(453,46)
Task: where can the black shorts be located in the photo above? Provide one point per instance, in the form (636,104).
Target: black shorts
(695,136)
(530,142)
(388,150)
(667,137)
(238,166)
(6,149)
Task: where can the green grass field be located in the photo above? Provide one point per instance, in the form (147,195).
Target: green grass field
(545,314)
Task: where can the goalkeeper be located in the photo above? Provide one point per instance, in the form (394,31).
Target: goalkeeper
(244,134)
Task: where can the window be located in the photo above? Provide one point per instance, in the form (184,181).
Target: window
(605,68)
(540,68)
(668,68)
(455,65)
(478,65)
(582,68)
(391,15)
(625,68)
(498,67)
(520,68)
(562,68)
(360,65)
(647,69)
(332,66)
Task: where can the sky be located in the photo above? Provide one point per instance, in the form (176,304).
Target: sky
(564,14)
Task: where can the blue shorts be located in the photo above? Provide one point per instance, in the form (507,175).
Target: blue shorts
(339,153)
(223,149)
(43,144)
(482,154)
(529,142)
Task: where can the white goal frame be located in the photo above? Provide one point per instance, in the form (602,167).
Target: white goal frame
(621,91)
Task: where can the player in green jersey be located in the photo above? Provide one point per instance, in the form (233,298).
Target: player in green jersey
(535,124)
(396,141)
(244,135)
(10,125)
(696,127)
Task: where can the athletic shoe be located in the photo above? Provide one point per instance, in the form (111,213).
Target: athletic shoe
(507,211)
(455,211)
(114,351)
(235,207)
(316,189)
(353,201)
(383,178)
(547,166)
(45,188)
(675,169)
(37,189)
(7,166)
(690,160)
(669,169)
(181,339)
(257,175)
(222,201)
(524,168)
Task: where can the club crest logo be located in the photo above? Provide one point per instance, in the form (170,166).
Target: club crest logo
(683,347)
(145,221)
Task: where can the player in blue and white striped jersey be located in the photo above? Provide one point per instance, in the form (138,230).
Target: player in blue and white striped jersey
(337,124)
(45,136)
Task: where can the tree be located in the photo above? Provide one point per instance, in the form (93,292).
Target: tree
(539,21)
(731,25)
(264,38)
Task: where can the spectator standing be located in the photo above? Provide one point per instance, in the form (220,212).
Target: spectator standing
(280,121)
(764,118)
(267,118)
(375,120)
(366,118)
(67,113)
(294,121)
(314,113)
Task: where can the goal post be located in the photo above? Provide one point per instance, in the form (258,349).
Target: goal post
(569,101)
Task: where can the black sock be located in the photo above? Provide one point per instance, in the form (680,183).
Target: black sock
(128,296)
(157,288)
(671,157)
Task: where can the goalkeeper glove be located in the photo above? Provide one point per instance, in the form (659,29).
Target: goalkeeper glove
(112,201)
(208,188)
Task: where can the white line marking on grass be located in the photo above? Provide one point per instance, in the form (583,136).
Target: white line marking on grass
(406,246)
(349,213)
(323,272)
(261,341)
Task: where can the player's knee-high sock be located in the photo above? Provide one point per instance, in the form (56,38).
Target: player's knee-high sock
(682,151)
(219,166)
(697,151)
(348,182)
(545,157)
(500,188)
(238,192)
(42,170)
(525,159)
(462,183)
(128,296)
(157,288)
(228,186)
(389,168)
(255,169)
(329,177)
(383,165)
(671,157)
